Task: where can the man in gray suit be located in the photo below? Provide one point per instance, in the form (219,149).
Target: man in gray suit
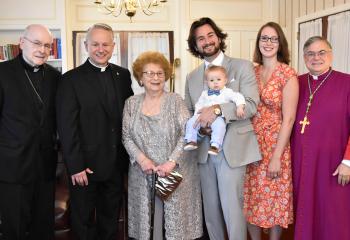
(222,176)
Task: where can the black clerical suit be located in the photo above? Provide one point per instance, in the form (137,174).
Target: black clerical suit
(27,149)
(90,104)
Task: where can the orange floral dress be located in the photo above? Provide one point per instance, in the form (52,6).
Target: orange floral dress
(268,202)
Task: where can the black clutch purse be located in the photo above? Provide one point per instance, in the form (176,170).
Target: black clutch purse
(165,186)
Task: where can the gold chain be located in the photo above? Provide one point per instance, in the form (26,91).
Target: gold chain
(306,121)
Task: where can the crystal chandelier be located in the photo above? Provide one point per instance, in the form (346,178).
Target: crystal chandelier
(116,7)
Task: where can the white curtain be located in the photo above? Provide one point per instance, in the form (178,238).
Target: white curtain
(139,42)
(81,53)
(338,35)
(307,30)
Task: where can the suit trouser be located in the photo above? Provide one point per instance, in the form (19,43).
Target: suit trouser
(95,208)
(27,208)
(222,190)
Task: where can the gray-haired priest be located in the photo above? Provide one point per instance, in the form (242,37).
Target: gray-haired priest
(90,104)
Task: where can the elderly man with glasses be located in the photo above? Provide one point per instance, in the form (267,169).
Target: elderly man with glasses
(27,139)
(321,172)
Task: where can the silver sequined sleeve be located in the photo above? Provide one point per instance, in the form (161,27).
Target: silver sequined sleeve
(128,142)
(182,115)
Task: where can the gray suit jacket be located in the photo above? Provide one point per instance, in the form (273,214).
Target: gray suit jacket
(240,145)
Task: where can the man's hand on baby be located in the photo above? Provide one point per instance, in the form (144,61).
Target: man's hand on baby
(206,117)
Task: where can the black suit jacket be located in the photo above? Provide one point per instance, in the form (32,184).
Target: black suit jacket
(27,135)
(89,129)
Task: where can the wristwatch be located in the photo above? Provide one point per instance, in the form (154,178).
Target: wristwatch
(217,110)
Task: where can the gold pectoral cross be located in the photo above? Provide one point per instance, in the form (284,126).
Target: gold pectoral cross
(304,123)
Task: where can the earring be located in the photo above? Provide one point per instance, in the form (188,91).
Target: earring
(141,83)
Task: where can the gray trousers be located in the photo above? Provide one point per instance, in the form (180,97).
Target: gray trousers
(222,190)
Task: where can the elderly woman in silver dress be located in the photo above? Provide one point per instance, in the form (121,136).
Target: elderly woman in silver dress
(153,134)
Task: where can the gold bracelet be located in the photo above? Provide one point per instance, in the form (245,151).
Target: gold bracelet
(172,160)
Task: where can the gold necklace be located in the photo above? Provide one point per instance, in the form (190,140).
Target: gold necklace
(306,120)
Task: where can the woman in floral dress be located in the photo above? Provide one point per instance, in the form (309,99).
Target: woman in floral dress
(268,183)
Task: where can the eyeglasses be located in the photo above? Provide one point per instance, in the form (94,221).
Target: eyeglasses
(38,44)
(150,74)
(265,38)
(320,54)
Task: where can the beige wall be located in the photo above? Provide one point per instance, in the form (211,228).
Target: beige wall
(241,19)
(15,15)
(289,10)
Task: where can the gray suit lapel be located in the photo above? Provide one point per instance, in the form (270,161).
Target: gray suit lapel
(232,70)
(199,82)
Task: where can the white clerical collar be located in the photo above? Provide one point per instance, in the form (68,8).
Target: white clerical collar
(35,67)
(217,61)
(102,68)
(316,77)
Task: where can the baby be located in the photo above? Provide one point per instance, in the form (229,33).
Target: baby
(217,93)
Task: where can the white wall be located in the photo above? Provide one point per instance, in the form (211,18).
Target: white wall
(289,10)
(15,15)
(241,19)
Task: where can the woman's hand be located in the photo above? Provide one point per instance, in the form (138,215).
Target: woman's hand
(147,165)
(274,168)
(165,168)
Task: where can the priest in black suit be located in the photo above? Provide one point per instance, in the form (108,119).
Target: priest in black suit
(27,139)
(90,103)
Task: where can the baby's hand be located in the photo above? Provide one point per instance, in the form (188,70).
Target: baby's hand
(240,111)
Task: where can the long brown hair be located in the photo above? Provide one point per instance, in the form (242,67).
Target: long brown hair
(191,40)
(282,53)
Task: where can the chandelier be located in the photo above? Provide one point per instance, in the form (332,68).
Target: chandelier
(116,7)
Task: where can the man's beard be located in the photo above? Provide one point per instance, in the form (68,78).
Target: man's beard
(210,54)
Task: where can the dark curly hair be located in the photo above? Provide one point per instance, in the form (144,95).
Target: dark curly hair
(191,40)
(282,53)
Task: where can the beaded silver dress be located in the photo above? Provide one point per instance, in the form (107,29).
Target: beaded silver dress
(160,138)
